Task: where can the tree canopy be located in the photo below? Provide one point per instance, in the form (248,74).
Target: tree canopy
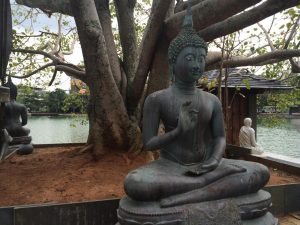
(117,82)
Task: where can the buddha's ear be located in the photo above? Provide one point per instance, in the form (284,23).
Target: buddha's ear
(171,71)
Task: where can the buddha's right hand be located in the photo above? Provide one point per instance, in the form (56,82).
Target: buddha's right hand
(187,117)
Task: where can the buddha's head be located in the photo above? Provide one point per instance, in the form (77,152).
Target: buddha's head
(187,53)
(13,89)
(248,122)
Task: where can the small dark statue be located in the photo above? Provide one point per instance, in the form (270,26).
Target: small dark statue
(191,183)
(13,112)
(4,136)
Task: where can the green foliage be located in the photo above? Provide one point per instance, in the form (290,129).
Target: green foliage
(37,100)
(247,84)
(271,120)
(75,103)
(56,100)
(34,100)
(281,101)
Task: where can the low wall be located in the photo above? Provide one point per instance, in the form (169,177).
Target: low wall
(84,213)
(285,199)
(58,145)
(283,163)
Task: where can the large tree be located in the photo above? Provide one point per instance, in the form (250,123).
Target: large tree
(118,86)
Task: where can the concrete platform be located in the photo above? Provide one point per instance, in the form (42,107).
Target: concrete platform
(290,219)
(280,158)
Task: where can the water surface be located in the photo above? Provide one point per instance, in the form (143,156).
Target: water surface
(284,138)
(58,129)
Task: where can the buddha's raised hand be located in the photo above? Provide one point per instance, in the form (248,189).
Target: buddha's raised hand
(187,117)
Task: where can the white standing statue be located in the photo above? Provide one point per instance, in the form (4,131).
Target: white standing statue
(247,138)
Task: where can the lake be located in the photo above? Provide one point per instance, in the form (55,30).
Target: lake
(283,138)
(58,129)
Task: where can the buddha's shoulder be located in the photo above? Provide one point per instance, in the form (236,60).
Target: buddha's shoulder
(210,97)
(159,95)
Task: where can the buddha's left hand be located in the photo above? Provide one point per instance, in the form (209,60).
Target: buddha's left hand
(210,164)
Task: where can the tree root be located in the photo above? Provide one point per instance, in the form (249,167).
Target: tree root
(86,148)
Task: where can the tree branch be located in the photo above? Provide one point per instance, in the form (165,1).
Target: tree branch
(292,33)
(37,52)
(295,66)
(105,20)
(36,35)
(125,10)
(81,75)
(278,55)
(59,64)
(206,13)
(53,77)
(95,52)
(35,71)
(147,48)
(183,5)
(246,18)
(267,36)
(50,6)
(72,46)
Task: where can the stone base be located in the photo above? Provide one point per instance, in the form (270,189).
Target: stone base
(244,210)
(22,144)
(267,219)
(5,139)
(21,140)
(25,149)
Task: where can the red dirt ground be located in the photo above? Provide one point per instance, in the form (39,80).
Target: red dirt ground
(62,174)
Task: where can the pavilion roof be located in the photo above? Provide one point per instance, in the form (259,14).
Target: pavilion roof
(242,78)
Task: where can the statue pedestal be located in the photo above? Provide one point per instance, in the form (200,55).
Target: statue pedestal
(249,209)
(23,145)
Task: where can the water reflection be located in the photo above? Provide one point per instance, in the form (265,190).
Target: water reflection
(283,139)
(58,129)
(296,124)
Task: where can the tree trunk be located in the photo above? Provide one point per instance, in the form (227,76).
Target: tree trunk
(110,127)
(159,77)
(108,119)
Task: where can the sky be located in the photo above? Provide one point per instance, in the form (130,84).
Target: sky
(43,20)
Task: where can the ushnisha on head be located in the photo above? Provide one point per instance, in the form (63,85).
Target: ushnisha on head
(248,122)
(13,89)
(187,37)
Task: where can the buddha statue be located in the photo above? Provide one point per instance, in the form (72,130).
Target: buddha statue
(4,136)
(247,138)
(191,169)
(15,118)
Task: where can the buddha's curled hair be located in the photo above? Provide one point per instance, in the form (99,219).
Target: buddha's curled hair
(187,37)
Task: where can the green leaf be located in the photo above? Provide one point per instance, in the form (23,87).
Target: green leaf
(247,83)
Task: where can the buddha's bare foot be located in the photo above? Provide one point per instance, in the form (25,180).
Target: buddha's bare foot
(184,198)
(167,202)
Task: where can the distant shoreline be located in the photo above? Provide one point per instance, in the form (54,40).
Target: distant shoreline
(283,115)
(55,114)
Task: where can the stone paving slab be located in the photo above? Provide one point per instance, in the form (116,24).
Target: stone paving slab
(290,219)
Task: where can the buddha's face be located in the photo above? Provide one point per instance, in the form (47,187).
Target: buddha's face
(248,122)
(190,64)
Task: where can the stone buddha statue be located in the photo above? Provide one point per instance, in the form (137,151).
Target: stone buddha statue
(191,168)
(15,118)
(4,136)
(247,138)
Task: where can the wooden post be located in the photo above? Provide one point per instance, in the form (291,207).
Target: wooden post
(253,111)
